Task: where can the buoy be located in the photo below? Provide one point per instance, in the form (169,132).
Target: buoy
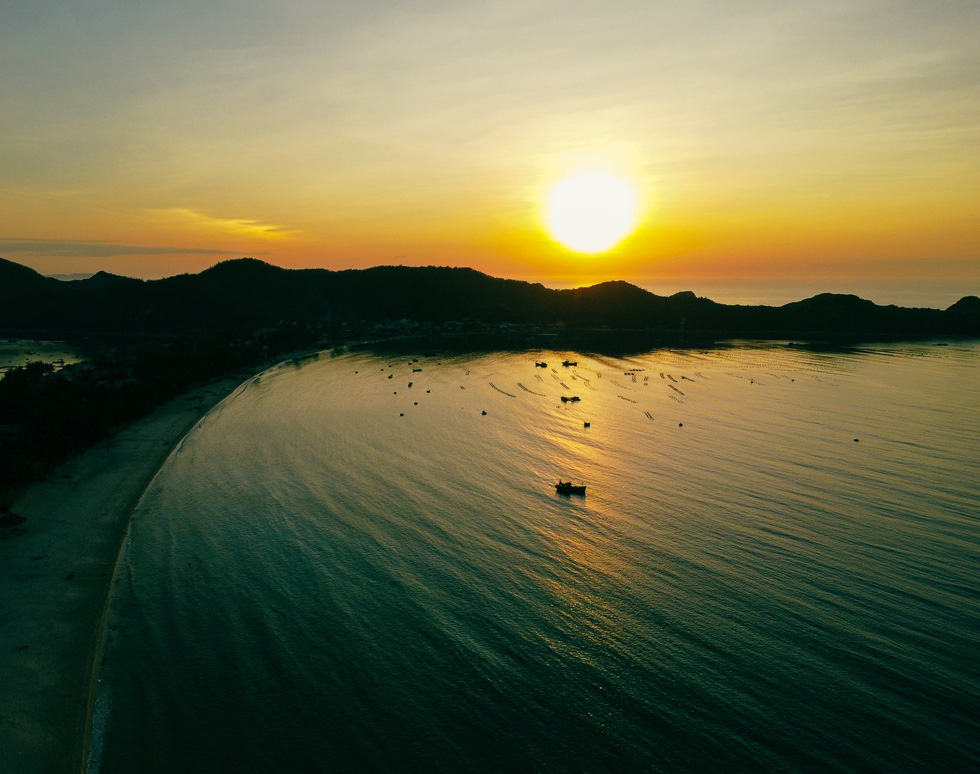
(588,424)
(680,424)
(484,413)
(401,415)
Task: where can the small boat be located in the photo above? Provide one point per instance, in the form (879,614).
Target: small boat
(567,487)
(568,363)
(570,399)
(540,365)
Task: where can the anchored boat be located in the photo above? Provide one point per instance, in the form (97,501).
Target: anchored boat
(567,487)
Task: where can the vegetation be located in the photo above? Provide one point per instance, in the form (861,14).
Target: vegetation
(46,416)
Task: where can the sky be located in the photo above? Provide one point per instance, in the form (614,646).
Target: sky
(764,141)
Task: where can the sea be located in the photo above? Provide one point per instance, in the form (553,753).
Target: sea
(20,352)
(359,562)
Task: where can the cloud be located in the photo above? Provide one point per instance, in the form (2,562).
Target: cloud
(97,249)
(247,227)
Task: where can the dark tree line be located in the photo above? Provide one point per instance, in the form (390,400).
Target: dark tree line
(46,416)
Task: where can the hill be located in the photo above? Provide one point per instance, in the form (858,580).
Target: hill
(247,293)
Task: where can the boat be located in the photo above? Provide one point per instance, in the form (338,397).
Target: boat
(567,487)
(540,365)
(570,399)
(568,363)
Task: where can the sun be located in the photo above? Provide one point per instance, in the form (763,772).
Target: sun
(591,212)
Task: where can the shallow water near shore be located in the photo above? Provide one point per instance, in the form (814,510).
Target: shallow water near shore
(774,569)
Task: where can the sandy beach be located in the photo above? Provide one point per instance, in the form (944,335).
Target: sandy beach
(55,572)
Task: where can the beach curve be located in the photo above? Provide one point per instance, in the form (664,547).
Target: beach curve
(56,574)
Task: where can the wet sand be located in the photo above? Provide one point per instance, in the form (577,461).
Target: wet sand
(55,573)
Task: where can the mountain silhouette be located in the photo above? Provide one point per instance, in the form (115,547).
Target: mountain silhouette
(250,293)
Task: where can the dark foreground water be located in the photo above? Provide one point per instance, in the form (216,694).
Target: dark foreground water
(775,569)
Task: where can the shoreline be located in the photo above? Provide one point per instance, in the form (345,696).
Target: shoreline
(81,759)
(56,574)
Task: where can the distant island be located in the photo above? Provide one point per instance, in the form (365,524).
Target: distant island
(248,293)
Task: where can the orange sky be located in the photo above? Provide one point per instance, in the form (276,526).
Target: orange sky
(767,142)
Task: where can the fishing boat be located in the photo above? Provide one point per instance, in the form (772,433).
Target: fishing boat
(567,487)
(568,363)
(540,365)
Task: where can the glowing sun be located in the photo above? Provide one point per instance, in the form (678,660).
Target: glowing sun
(591,212)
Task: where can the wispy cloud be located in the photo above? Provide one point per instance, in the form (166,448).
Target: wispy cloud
(96,248)
(248,227)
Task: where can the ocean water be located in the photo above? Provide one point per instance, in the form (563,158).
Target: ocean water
(349,567)
(19,352)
